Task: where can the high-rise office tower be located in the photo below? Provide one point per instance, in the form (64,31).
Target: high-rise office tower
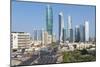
(86,31)
(61,26)
(40,35)
(82,33)
(35,35)
(49,19)
(69,29)
(69,22)
(71,35)
(77,34)
(64,34)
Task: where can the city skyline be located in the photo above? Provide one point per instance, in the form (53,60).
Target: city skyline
(35,23)
(51,33)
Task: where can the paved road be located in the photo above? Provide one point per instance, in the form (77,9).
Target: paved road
(47,57)
(29,61)
(43,58)
(47,60)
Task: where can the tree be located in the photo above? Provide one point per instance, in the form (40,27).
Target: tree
(77,56)
(84,52)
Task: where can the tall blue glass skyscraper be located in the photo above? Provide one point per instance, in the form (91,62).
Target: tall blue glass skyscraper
(49,19)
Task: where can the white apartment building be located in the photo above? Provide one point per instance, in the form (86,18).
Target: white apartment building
(20,40)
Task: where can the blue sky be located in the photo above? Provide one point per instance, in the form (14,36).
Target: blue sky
(27,16)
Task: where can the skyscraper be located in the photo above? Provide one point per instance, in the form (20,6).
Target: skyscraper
(71,35)
(69,22)
(86,31)
(64,34)
(40,35)
(82,33)
(49,19)
(77,34)
(61,26)
(35,35)
(69,29)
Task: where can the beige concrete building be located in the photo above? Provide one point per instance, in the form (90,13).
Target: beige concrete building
(20,40)
(47,39)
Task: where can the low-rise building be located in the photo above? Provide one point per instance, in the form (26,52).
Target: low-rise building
(20,40)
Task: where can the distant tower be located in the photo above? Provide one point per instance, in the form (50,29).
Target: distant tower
(69,22)
(61,26)
(49,19)
(86,31)
(71,35)
(35,35)
(82,33)
(43,36)
(40,35)
(64,34)
(69,29)
(77,34)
